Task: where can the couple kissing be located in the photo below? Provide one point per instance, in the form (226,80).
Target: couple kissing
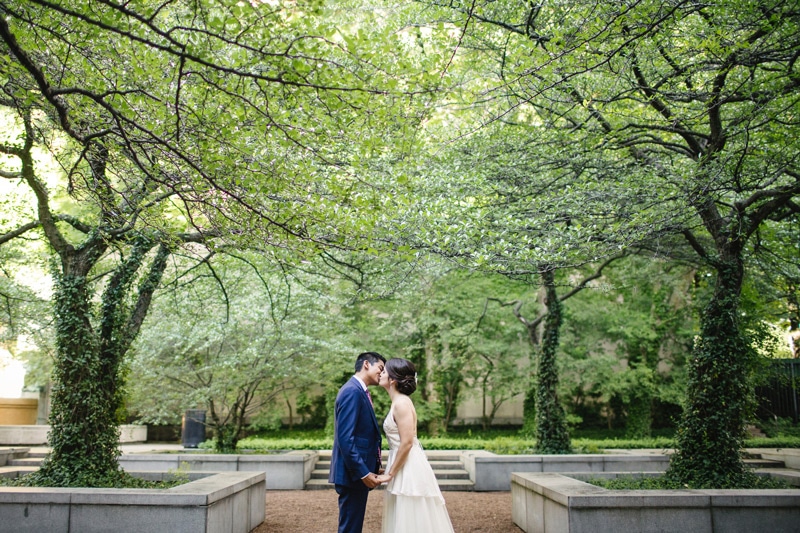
(413,502)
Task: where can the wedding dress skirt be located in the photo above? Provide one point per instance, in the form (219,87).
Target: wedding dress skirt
(414,503)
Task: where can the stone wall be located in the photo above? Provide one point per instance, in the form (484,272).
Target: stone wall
(230,502)
(550,503)
(36,435)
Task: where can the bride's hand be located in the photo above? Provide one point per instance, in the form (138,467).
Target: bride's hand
(384,478)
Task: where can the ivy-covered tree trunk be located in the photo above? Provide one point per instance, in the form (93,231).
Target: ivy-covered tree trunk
(83,429)
(552,435)
(529,411)
(545,393)
(712,429)
(87,392)
(640,416)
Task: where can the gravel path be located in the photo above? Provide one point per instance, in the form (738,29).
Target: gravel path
(316,511)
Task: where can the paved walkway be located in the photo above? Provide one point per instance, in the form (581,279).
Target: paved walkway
(304,511)
(313,511)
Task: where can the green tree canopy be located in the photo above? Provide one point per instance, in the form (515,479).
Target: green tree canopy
(181,126)
(640,120)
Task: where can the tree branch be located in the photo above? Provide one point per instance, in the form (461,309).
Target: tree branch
(146,291)
(22,57)
(695,244)
(19,231)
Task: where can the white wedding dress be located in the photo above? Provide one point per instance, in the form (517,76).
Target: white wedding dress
(414,503)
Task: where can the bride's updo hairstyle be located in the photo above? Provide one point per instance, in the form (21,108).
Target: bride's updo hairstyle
(403,372)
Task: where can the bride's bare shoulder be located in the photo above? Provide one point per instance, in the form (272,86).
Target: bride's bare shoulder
(403,403)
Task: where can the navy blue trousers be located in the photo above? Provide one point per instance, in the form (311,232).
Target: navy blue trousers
(352,508)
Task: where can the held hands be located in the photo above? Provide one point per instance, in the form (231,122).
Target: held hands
(372,481)
(384,478)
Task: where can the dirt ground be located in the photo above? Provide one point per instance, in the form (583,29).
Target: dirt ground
(316,511)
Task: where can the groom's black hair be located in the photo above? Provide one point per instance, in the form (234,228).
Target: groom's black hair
(372,357)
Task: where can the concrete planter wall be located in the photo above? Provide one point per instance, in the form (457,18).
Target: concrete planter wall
(553,503)
(230,502)
(284,471)
(36,435)
(492,472)
(18,411)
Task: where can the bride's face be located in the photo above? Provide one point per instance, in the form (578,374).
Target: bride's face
(383,380)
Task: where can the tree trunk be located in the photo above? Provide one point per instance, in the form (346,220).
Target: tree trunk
(639,419)
(552,435)
(529,409)
(711,432)
(84,431)
(87,392)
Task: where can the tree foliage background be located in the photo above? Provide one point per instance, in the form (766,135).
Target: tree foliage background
(176,125)
(536,141)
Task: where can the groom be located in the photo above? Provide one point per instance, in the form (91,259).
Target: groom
(356,459)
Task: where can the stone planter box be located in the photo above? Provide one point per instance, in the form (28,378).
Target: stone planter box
(491,472)
(230,502)
(553,503)
(284,471)
(36,435)
(18,411)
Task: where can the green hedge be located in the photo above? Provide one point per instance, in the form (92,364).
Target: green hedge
(271,444)
(500,445)
(665,483)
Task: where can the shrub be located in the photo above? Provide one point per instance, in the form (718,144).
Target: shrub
(666,483)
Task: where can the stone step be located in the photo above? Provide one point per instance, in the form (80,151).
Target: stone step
(318,484)
(451,474)
(16,471)
(39,454)
(319,474)
(27,461)
(456,485)
(444,485)
(764,463)
(440,474)
(435,464)
(438,455)
(447,467)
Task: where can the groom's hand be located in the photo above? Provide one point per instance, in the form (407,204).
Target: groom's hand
(371,481)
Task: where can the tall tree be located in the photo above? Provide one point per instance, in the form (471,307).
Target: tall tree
(685,114)
(179,127)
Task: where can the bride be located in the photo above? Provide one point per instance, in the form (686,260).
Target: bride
(414,503)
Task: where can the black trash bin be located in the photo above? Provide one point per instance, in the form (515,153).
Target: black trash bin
(193,428)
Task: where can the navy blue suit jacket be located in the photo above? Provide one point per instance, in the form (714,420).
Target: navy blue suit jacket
(357,437)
